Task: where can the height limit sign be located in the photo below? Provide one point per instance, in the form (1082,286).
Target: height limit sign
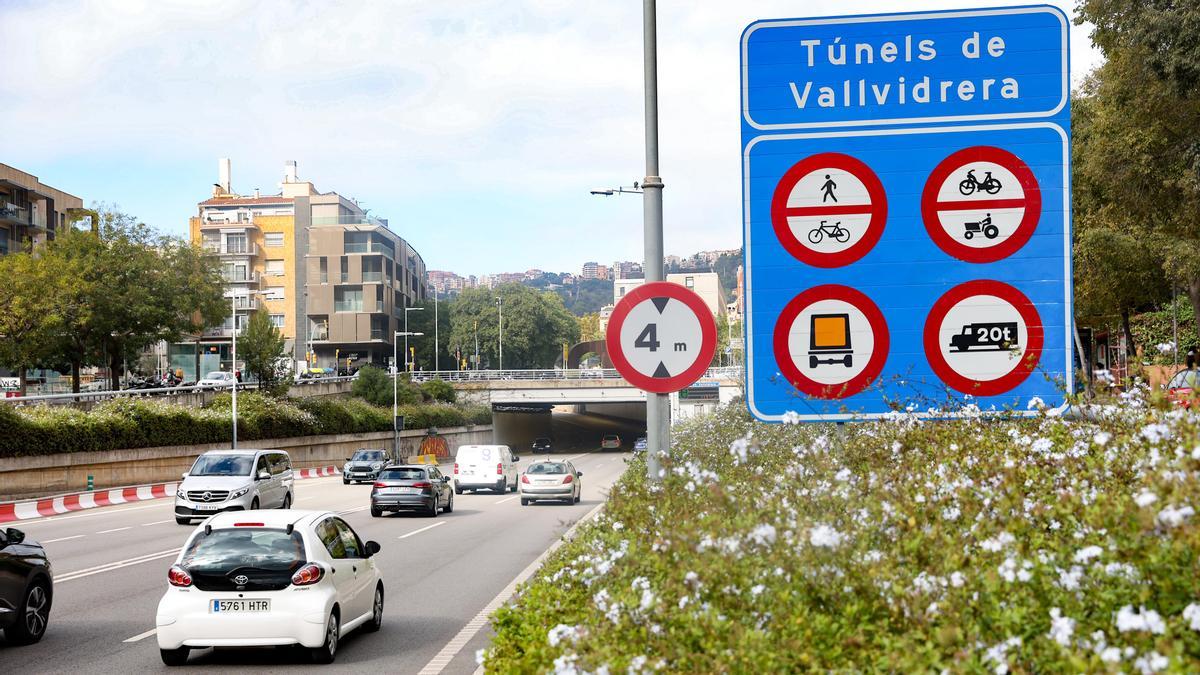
(661,337)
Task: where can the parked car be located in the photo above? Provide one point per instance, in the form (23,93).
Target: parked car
(1182,389)
(235,480)
(365,465)
(551,481)
(217,378)
(26,588)
(541,444)
(269,578)
(485,467)
(640,444)
(610,442)
(412,487)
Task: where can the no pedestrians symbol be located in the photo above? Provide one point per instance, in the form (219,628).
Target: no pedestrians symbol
(661,337)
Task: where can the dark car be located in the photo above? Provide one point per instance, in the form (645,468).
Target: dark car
(26,588)
(542,444)
(412,487)
(365,465)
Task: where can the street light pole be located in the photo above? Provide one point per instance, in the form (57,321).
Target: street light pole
(500,304)
(233,367)
(477,344)
(658,411)
(395,384)
(436,348)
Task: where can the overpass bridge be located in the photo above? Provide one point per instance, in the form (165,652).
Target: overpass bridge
(562,387)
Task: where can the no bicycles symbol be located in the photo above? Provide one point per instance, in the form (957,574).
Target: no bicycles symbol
(829,210)
(981,204)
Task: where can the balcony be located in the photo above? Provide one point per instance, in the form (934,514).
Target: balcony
(372,277)
(242,221)
(237,250)
(218,331)
(241,277)
(244,303)
(11,213)
(318,333)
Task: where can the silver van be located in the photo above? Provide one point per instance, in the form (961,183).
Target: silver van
(234,480)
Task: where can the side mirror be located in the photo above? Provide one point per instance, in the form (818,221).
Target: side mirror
(445,479)
(516,458)
(185,475)
(264,475)
(372,548)
(579,473)
(14,536)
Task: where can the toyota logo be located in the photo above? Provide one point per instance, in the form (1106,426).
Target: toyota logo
(207,496)
(241,579)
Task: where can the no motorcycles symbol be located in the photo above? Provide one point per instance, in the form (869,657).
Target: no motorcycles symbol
(981,204)
(829,210)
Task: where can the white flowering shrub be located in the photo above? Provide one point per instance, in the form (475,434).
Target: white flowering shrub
(1015,545)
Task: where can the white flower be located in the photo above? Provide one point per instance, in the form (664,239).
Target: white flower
(1165,347)
(997,542)
(1069,579)
(1192,614)
(1062,628)
(791,417)
(1087,553)
(617,526)
(1151,663)
(951,513)
(1145,498)
(763,535)
(757,590)
(824,535)
(956,579)
(480,656)
(1035,403)
(560,633)
(1111,655)
(1147,621)
(1102,438)
(1174,517)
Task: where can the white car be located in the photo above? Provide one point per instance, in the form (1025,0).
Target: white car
(266,578)
(217,378)
(235,480)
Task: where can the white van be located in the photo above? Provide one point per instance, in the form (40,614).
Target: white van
(235,480)
(485,467)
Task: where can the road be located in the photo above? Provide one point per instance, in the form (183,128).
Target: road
(111,563)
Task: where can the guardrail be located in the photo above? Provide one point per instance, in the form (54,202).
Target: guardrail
(549,375)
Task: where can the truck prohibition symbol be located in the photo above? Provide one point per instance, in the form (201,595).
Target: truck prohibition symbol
(988,337)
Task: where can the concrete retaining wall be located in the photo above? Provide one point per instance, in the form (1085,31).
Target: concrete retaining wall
(55,474)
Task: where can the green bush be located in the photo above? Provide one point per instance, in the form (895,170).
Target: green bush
(1036,545)
(439,390)
(144,422)
(375,386)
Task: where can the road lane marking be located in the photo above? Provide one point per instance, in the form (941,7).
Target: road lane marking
(108,567)
(141,636)
(508,499)
(427,527)
(98,511)
(355,510)
(116,529)
(159,522)
(469,631)
(74,536)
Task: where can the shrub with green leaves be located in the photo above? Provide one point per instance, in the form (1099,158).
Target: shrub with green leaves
(1022,545)
(375,386)
(439,390)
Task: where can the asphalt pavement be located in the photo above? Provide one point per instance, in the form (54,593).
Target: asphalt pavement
(110,568)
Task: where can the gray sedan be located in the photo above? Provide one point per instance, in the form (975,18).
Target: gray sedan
(550,480)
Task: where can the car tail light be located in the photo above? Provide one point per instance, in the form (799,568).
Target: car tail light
(248,525)
(568,478)
(456,468)
(308,575)
(423,486)
(179,576)
(525,479)
(500,469)
(378,484)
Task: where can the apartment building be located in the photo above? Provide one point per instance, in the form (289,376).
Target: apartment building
(333,279)
(30,211)
(705,284)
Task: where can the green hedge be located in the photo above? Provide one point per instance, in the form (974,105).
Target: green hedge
(143,422)
(902,546)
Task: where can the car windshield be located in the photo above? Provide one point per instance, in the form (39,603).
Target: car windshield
(542,441)
(228,549)
(402,474)
(216,375)
(368,456)
(548,467)
(1183,379)
(222,465)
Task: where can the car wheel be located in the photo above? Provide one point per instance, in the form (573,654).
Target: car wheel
(35,615)
(376,611)
(450,504)
(513,487)
(433,510)
(345,481)
(254,504)
(458,490)
(578,495)
(174,657)
(287,502)
(524,502)
(376,513)
(501,486)
(183,521)
(328,651)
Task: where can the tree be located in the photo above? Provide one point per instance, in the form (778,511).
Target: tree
(589,327)
(33,297)
(536,324)
(1168,30)
(1116,271)
(262,348)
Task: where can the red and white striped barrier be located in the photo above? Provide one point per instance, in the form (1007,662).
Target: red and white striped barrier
(53,506)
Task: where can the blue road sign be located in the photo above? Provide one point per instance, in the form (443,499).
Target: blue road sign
(907,212)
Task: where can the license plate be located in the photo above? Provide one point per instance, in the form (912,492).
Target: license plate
(240,606)
(207,507)
(405,490)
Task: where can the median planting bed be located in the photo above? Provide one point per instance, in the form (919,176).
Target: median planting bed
(145,422)
(1030,545)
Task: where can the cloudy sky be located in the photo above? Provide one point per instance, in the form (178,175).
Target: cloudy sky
(477,127)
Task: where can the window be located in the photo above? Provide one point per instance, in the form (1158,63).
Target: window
(345,270)
(318,328)
(273,293)
(324,270)
(622,291)
(354,548)
(379,326)
(3,241)
(279,463)
(348,299)
(357,242)
(273,239)
(263,465)
(372,269)
(689,282)
(274,267)
(329,535)
(277,320)
(236,243)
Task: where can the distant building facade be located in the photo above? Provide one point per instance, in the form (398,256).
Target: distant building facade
(30,211)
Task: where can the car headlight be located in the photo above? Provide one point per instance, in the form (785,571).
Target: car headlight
(238,493)
(377,466)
